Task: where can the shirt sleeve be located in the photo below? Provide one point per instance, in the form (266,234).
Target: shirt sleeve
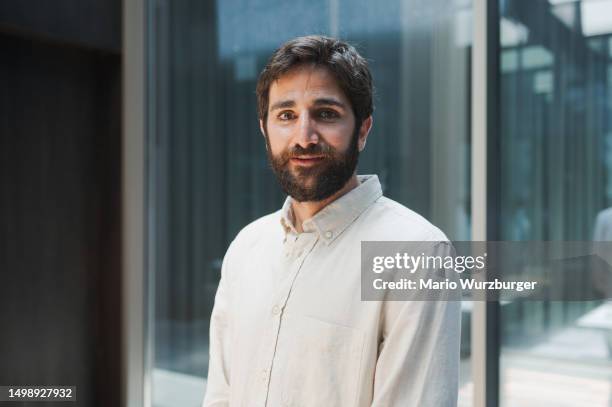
(418,359)
(218,381)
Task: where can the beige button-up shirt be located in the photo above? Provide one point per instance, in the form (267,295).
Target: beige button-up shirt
(289,328)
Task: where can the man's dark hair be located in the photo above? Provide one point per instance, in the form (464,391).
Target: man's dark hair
(342,59)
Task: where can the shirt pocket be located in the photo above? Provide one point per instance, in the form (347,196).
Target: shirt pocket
(323,363)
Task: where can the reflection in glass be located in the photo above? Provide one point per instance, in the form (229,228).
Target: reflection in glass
(555,133)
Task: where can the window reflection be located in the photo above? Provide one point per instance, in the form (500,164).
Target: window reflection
(555,133)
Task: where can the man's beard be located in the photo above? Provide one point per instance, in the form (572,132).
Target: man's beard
(319,181)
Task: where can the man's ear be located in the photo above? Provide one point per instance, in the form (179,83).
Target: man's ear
(364,131)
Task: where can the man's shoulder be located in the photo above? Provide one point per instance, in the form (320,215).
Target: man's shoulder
(258,230)
(390,220)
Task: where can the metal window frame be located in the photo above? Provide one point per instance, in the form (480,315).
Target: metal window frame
(136,371)
(485,332)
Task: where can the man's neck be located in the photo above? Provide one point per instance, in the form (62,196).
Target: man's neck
(303,211)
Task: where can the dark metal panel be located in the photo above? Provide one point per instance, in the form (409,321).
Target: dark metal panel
(493,325)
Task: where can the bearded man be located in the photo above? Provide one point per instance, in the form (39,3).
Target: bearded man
(289,326)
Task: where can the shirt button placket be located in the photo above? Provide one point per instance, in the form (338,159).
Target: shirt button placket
(276,310)
(265,372)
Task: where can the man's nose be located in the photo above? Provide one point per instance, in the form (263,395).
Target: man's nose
(307,131)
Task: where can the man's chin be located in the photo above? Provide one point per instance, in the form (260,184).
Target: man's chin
(301,187)
(305,183)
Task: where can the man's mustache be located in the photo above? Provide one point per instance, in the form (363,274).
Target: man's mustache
(313,149)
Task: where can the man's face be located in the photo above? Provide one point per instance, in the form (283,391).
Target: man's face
(312,141)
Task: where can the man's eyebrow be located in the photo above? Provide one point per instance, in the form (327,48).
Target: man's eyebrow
(282,104)
(328,102)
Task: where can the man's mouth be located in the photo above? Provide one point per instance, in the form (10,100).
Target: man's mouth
(307,159)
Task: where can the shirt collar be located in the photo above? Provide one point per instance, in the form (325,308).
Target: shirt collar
(331,221)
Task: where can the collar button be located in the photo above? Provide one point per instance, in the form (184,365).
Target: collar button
(329,234)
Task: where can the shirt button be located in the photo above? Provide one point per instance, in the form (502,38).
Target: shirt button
(264,374)
(275,310)
(329,234)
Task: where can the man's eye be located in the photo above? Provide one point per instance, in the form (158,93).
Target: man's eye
(328,114)
(285,116)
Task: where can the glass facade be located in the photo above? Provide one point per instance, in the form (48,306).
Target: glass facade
(555,172)
(208,171)
(551,161)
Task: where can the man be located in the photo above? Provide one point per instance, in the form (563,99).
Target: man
(288,326)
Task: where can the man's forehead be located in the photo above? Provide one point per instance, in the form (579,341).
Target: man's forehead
(306,81)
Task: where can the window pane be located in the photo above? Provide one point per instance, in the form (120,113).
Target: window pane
(556,169)
(208,171)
